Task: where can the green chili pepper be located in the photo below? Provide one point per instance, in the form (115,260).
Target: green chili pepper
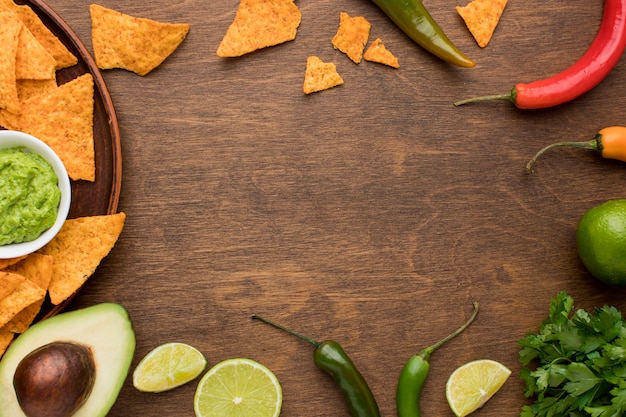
(414,373)
(414,20)
(330,357)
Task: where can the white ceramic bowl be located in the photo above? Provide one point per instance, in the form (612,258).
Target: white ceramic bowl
(10,139)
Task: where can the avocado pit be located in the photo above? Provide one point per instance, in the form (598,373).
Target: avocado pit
(54,380)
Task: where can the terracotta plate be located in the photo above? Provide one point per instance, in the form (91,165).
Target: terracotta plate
(101,196)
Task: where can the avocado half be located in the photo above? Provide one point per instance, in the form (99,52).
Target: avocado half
(104,328)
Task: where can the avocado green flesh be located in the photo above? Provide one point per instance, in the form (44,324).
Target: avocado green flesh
(105,328)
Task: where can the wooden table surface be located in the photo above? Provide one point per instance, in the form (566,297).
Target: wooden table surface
(373,214)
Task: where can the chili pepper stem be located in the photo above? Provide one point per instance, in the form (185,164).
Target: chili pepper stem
(425,353)
(508,97)
(314,342)
(592,144)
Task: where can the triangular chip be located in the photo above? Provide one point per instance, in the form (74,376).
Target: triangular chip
(10,28)
(320,75)
(259,24)
(64,120)
(78,249)
(132,43)
(36,268)
(24,295)
(63,57)
(33,61)
(481,18)
(352,35)
(378,53)
(9,282)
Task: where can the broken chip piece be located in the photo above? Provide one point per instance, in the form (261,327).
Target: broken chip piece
(378,53)
(320,75)
(481,18)
(351,36)
(132,43)
(259,24)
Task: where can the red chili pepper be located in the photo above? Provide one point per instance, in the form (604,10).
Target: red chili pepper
(583,75)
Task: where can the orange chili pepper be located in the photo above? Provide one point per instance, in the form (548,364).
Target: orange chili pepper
(609,143)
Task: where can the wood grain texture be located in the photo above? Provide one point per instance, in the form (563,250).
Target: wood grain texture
(374,213)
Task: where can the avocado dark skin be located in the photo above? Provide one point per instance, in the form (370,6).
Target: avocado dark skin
(55,379)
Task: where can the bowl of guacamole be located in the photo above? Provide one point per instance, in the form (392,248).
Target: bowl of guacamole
(35,194)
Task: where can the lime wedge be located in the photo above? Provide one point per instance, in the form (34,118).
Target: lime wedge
(237,388)
(471,385)
(168,366)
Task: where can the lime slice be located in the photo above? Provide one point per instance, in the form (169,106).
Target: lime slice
(168,366)
(471,385)
(236,388)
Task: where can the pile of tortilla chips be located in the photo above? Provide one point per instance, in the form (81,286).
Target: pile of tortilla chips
(57,270)
(30,99)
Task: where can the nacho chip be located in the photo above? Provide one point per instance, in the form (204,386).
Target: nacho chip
(36,268)
(6,337)
(132,43)
(27,89)
(33,61)
(11,261)
(481,18)
(352,35)
(63,57)
(24,295)
(78,249)
(259,24)
(64,120)
(8,283)
(10,29)
(378,53)
(320,75)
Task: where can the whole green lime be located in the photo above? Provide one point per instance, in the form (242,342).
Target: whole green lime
(601,241)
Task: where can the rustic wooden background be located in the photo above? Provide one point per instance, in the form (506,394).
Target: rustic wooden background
(373,214)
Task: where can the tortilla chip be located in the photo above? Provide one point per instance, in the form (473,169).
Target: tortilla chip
(132,43)
(320,75)
(352,35)
(259,24)
(8,283)
(38,269)
(64,120)
(481,18)
(11,261)
(378,53)
(63,57)
(10,29)
(78,249)
(24,295)
(33,61)
(6,337)
(27,89)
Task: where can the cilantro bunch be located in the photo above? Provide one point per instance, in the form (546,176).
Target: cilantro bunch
(580,363)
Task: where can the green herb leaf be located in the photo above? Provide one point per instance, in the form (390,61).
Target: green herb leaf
(579,363)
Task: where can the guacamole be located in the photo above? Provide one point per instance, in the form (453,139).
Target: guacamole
(29,195)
